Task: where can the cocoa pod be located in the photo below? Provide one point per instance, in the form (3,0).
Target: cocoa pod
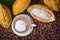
(5,16)
(41,13)
(52,4)
(20,5)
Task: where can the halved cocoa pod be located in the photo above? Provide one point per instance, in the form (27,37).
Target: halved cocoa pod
(41,13)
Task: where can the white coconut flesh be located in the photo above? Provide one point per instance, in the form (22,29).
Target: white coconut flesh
(41,13)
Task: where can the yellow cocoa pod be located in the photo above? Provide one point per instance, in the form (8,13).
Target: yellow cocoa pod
(20,5)
(52,4)
(41,13)
(5,16)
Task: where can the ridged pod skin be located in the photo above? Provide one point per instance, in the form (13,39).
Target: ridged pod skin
(20,5)
(5,16)
(52,4)
(44,8)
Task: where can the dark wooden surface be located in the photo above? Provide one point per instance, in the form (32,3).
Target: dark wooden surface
(43,31)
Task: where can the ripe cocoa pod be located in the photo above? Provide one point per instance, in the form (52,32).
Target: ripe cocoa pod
(52,4)
(5,16)
(20,5)
(41,13)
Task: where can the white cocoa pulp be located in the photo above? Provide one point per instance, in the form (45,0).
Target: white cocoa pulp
(41,13)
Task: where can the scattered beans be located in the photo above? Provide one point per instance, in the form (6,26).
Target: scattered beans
(43,31)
